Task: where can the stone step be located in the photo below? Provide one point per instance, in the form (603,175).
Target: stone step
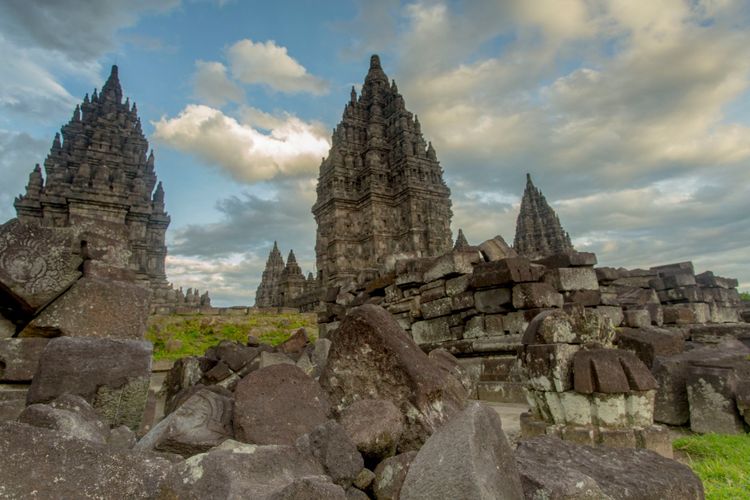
(501,392)
(13,392)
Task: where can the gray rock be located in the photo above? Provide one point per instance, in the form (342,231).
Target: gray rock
(711,396)
(274,358)
(330,445)
(647,343)
(19,358)
(375,426)
(185,372)
(239,470)
(122,437)
(11,410)
(199,424)
(307,488)
(552,468)
(39,463)
(111,374)
(390,475)
(70,415)
(277,405)
(448,363)
(469,457)
(372,357)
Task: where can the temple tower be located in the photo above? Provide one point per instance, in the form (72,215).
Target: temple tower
(269,283)
(100,179)
(538,230)
(380,190)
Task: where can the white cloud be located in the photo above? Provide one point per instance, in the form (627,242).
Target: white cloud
(212,86)
(269,64)
(291,148)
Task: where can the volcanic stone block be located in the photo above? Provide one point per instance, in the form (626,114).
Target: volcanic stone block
(708,279)
(37,263)
(647,343)
(533,295)
(721,314)
(111,374)
(635,296)
(70,415)
(681,294)
(655,438)
(678,279)
(452,264)
(375,426)
(742,396)
(458,285)
(19,358)
(710,393)
(577,408)
(672,269)
(674,315)
(95,308)
(515,323)
(390,475)
(617,437)
(584,297)
(565,279)
(436,308)
(549,366)
(39,463)
(610,371)
(609,410)
(496,249)
(639,406)
(505,272)
(199,424)
(549,327)
(552,468)
(433,330)
(335,451)
(569,259)
(469,457)
(278,404)
(493,301)
(637,318)
(371,357)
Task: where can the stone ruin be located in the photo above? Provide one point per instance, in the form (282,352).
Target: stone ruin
(285,285)
(100,181)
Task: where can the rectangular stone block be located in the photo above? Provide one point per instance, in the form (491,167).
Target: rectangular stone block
(637,318)
(564,279)
(433,330)
(515,323)
(655,438)
(497,367)
(678,279)
(494,300)
(681,294)
(617,438)
(709,279)
(554,405)
(609,410)
(534,295)
(722,314)
(550,366)
(452,264)
(677,268)
(608,274)
(675,315)
(410,305)
(462,301)
(505,272)
(580,435)
(583,297)
(576,407)
(493,324)
(657,314)
(639,406)
(436,308)
(569,259)
(474,328)
(19,358)
(393,293)
(613,313)
(458,285)
(710,392)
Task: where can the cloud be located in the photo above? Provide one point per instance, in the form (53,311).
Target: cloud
(291,148)
(212,85)
(269,64)
(18,154)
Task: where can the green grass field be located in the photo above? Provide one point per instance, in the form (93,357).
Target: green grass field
(177,336)
(722,462)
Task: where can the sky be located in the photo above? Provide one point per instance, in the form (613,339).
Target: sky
(632,116)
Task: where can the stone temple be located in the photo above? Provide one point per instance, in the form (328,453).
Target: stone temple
(285,285)
(100,179)
(380,191)
(538,230)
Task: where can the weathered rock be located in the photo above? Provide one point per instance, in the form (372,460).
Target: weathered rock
(452,264)
(239,470)
(277,405)
(95,307)
(494,300)
(294,345)
(375,426)
(506,271)
(185,372)
(39,463)
(742,396)
(10,410)
(235,355)
(671,405)
(390,475)
(122,438)
(572,278)
(552,468)
(199,424)
(448,363)
(534,295)
(610,371)
(469,457)
(496,249)
(569,259)
(371,357)
(111,374)
(19,358)
(37,264)
(364,479)
(307,488)
(711,397)
(647,343)
(70,415)
(274,358)
(331,446)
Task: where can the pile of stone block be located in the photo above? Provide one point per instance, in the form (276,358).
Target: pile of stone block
(581,389)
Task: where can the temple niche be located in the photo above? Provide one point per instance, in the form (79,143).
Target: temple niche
(380,191)
(100,179)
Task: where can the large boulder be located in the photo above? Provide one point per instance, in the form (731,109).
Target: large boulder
(375,426)
(469,457)
(372,357)
(95,307)
(390,475)
(552,468)
(199,424)
(239,470)
(330,445)
(278,404)
(711,396)
(37,264)
(41,463)
(70,415)
(307,488)
(112,375)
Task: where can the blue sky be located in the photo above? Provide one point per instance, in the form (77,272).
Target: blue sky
(633,117)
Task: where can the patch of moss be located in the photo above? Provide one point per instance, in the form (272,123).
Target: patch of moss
(178,336)
(722,462)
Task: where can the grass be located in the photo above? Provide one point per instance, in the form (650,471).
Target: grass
(176,336)
(722,462)
(745,296)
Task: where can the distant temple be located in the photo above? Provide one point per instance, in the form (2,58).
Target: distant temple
(538,229)
(100,180)
(380,191)
(285,285)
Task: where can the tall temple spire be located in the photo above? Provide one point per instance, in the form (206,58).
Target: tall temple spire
(461,241)
(380,190)
(538,229)
(269,284)
(112,91)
